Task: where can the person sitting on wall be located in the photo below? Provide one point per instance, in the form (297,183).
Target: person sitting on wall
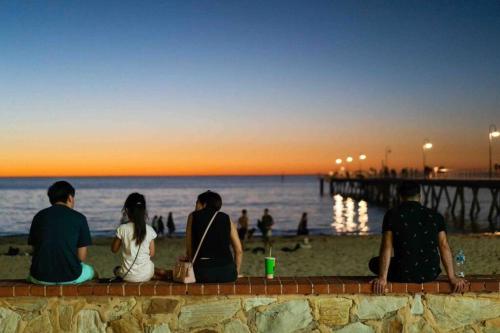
(418,237)
(60,236)
(214,262)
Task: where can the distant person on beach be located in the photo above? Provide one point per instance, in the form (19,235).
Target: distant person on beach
(161,226)
(170,224)
(302,230)
(243,225)
(60,236)
(265,225)
(418,237)
(154,223)
(214,261)
(136,239)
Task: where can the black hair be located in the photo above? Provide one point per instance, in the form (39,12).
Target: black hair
(211,199)
(135,206)
(244,211)
(408,189)
(60,192)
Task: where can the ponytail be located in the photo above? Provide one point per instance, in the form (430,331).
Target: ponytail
(135,206)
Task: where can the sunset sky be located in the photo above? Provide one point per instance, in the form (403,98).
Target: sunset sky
(244,87)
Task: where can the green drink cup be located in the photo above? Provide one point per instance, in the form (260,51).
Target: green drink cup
(270,264)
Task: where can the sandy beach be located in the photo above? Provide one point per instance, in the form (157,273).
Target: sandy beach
(328,255)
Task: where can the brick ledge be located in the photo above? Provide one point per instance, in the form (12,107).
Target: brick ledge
(317,285)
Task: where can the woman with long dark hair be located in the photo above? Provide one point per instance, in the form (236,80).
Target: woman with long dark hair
(136,239)
(214,262)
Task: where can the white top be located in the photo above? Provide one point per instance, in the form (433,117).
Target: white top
(143,268)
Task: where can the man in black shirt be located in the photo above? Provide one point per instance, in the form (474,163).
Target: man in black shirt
(60,236)
(418,237)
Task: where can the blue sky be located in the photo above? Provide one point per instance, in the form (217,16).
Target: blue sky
(343,76)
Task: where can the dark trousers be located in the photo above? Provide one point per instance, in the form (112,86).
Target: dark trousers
(393,274)
(208,271)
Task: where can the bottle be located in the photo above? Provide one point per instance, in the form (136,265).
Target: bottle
(460,262)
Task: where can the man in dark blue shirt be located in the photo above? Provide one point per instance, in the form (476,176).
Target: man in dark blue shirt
(60,236)
(418,237)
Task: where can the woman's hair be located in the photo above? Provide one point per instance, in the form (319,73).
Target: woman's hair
(211,199)
(135,206)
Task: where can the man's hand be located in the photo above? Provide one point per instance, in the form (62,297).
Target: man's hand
(379,285)
(459,285)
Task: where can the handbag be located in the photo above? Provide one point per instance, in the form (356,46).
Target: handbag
(183,269)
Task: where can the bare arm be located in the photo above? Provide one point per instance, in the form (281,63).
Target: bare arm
(380,283)
(152,249)
(116,244)
(237,248)
(82,253)
(189,237)
(459,285)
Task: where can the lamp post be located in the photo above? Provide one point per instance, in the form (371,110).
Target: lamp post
(426,146)
(387,152)
(493,133)
(338,161)
(362,157)
(349,160)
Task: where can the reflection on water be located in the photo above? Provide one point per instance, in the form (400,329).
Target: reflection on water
(349,216)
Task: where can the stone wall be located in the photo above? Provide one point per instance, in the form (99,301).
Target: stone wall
(344,313)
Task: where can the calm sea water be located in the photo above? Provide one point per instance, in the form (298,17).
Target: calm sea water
(101,200)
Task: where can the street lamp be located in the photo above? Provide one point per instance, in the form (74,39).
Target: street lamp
(387,152)
(338,161)
(426,146)
(349,160)
(493,133)
(362,157)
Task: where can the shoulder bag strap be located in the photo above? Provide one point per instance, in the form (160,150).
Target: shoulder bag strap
(203,237)
(128,271)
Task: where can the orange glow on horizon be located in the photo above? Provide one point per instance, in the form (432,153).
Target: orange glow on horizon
(129,153)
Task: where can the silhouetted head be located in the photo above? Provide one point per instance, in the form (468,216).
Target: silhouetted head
(210,200)
(135,208)
(304,215)
(409,191)
(266,211)
(62,192)
(244,212)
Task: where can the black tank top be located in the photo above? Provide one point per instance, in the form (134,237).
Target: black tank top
(218,239)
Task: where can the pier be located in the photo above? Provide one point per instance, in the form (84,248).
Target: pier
(450,192)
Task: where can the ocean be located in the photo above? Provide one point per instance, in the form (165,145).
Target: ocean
(101,200)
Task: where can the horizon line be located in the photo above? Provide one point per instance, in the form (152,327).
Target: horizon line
(156,176)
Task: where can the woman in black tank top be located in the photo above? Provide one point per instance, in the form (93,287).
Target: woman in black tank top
(215,262)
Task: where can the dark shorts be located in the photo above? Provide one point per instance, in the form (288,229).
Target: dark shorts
(208,271)
(395,272)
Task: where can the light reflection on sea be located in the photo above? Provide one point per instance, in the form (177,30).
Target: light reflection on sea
(351,217)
